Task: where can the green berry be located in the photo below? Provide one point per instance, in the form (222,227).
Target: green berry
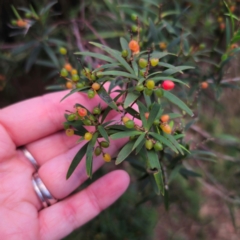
(88,136)
(97,151)
(158,146)
(148,92)
(64,72)
(87,122)
(75,77)
(142,62)
(134,16)
(14,22)
(93,77)
(104,144)
(125,53)
(66,126)
(63,50)
(79,85)
(154,62)
(134,28)
(99,74)
(71,117)
(28,15)
(150,84)
(96,110)
(85,72)
(129,124)
(159,92)
(156,122)
(91,93)
(149,144)
(139,88)
(142,72)
(202,46)
(92,118)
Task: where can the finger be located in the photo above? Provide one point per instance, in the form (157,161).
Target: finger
(39,117)
(53,173)
(49,147)
(62,218)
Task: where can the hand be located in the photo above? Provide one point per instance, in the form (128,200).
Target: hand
(37,125)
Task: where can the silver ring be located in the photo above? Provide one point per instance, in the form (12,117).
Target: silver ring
(30,157)
(42,192)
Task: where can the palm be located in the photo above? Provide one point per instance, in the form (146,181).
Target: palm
(20,208)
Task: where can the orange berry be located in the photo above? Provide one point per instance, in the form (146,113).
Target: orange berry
(146,115)
(82,112)
(162,45)
(134,46)
(96,86)
(107,157)
(68,67)
(69,132)
(233,46)
(232,8)
(88,136)
(222,26)
(125,119)
(204,85)
(69,85)
(166,128)
(73,71)
(21,23)
(164,118)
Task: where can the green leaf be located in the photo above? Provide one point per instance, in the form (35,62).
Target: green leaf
(119,74)
(174,115)
(89,154)
(142,110)
(103,132)
(110,65)
(125,134)
(102,93)
(158,176)
(76,160)
(124,45)
(135,67)
(174,142)
(51,55)
(153,160)
(116,55)
(172,98)
(131,97)
(32,58)
(154,113)
(139,140)
(188,173)
(124,152)
(23,48)
(95,55)
(164,141)
(176,69)
(157,79)
(73,91)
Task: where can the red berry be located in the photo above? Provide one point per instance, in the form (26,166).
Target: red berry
(82,112)
(168,85)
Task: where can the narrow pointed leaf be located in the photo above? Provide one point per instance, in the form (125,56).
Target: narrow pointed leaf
(103,132)
(142,110)
(124,153)
(119,73)
(116,55)
(153,160)
(131,97)
(164,141)
(76,160)
(102,93)
(158,176)
(89,154)
(139,140)
(95,55)
(125,134)
(174,142)
(154,113)
(172,98)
